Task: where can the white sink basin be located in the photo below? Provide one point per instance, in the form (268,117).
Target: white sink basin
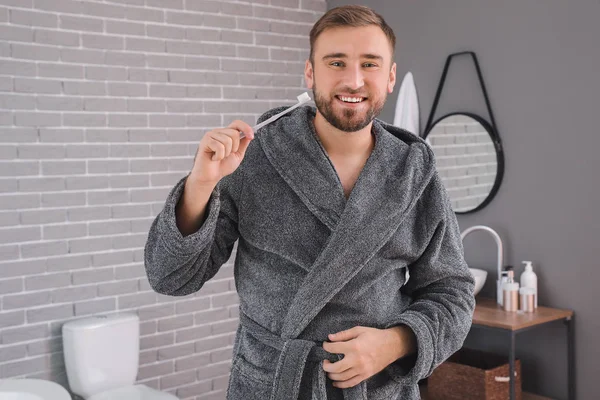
(32,389)
(480,275)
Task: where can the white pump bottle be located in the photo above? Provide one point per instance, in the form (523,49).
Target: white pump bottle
(529,279)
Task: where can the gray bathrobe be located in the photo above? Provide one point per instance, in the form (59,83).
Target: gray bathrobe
(311,262)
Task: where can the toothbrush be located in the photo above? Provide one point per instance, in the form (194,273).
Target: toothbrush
(303,98)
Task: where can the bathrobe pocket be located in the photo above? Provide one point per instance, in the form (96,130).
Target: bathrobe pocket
(253,368)
(250,371)
(243,386)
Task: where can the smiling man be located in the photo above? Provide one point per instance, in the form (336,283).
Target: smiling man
(332,208)
(353,85)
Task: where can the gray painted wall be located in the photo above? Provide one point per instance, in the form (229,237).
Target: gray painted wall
(541,64)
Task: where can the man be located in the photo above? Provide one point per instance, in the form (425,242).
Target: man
(331,208)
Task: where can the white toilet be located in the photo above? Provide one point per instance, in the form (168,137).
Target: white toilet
(101,358)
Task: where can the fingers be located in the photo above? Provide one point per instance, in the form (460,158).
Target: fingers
(344,376)
(337,367)
(346,335)
(222,142)
(244,146)
(241,126)
(343,373)
(338,347)
(216,147)
(348,383)
(228,141)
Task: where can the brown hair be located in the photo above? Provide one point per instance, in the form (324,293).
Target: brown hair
(350,16)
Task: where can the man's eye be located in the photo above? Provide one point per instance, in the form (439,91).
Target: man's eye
(337,64)
(369,65)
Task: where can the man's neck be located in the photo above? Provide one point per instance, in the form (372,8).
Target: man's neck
(342,144)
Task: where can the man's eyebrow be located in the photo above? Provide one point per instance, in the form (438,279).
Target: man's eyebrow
(334,55)
(369,56)
(372,57)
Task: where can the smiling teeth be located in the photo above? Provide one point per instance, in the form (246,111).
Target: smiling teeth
(351,99)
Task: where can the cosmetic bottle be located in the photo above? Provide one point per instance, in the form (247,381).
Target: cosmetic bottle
(527,299)
(510,293)
(529,280)
(503,279)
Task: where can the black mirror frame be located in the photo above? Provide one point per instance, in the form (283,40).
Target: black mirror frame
(499,156)
(490,127)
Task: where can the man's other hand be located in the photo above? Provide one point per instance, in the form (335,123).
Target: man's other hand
(366,352)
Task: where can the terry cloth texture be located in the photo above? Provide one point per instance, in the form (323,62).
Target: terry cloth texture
(311,262)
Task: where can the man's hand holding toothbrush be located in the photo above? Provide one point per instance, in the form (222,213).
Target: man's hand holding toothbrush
(219,154)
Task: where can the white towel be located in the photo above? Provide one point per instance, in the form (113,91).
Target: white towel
(407,106)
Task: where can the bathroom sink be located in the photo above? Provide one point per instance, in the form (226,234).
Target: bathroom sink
(479,275)
(32,389)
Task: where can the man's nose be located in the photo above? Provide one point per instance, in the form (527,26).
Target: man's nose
(354,78)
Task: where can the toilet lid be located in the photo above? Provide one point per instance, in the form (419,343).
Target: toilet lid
(32,389)
(136,392)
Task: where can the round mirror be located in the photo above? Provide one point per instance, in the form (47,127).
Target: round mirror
(469,159)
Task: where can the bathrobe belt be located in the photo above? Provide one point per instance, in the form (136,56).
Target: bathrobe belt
(294,355)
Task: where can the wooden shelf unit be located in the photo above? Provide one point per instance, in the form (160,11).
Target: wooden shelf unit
(488,313)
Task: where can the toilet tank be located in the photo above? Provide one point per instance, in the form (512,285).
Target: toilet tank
(101,353)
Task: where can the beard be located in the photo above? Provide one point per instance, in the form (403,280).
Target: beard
(348,119)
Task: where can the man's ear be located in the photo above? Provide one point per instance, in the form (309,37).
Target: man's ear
(309,74)
(392,78)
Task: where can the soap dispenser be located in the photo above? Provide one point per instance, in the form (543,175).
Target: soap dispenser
(529,280)
(501,281)
(510,292)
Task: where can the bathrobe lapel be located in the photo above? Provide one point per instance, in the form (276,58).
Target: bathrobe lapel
(292,147)
(390,183)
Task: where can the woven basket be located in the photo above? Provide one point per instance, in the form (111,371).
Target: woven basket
(473,375)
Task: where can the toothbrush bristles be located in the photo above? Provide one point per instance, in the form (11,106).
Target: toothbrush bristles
(303,98)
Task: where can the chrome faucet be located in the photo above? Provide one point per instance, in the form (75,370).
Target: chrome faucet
(500,254)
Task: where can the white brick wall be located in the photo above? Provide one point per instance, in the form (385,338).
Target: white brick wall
(102,104)
(465,159)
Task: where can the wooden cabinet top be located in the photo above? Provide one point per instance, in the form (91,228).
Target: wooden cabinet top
(488,313)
